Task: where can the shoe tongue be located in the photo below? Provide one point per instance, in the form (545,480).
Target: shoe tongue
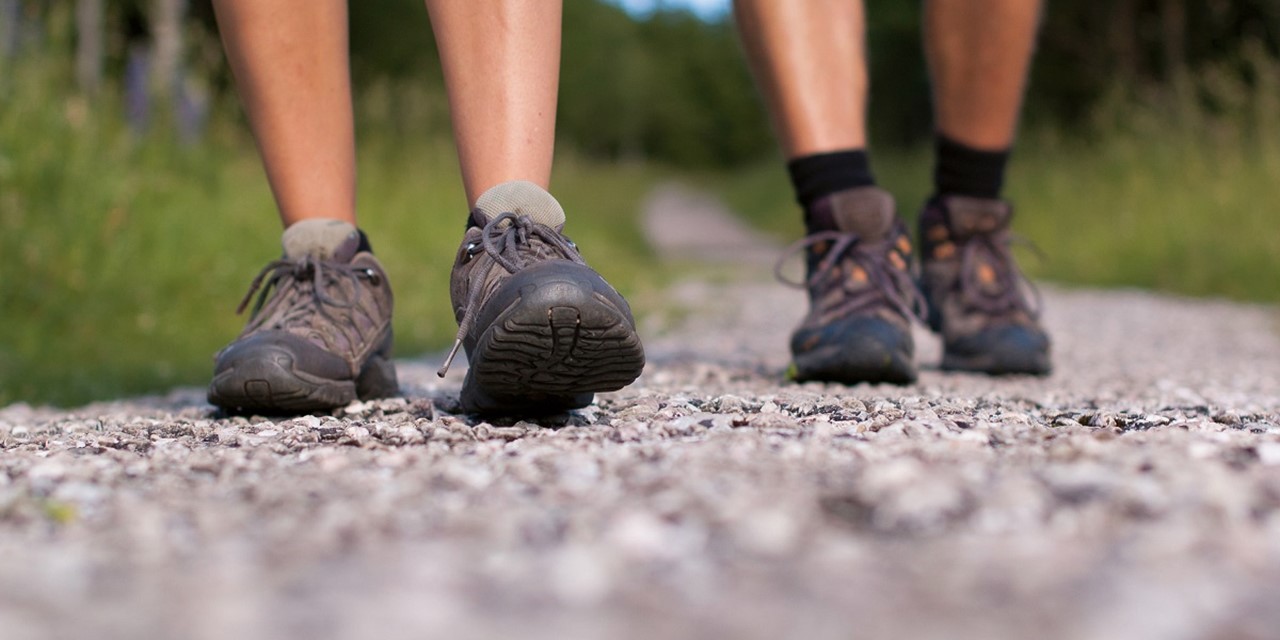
(967,216)
(321,239)
(522,199)
(867,212)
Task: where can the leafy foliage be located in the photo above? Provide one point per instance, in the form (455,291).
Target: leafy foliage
(671,88)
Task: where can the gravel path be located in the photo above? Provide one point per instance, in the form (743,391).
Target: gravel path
(1133,494)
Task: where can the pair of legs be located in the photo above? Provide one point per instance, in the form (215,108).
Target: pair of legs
(290,58)
(809,61)
(542,331)
(501,63)
(809,58)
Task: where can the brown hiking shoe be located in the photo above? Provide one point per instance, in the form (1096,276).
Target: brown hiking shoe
(987,312)
(861,293)
(320,332)
(542,331)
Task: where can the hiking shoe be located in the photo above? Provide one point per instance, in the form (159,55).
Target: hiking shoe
(861,293)
(542,331)
(987,312)
(319,335)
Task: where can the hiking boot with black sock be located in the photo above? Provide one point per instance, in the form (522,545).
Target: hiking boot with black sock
(543,332)
(862,295)
(987,312)
(319,335)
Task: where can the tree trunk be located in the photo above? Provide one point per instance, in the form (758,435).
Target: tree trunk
(8,27)
(89,35)
(166,30)
(1124,39)
(1173,25)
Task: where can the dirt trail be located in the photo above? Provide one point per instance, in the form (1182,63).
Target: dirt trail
(1135,493)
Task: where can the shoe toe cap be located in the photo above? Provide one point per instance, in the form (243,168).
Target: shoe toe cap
(1009,348)
(285,350)
(857,349)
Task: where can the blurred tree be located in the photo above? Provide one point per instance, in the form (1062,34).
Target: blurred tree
(167,29)
(669,87)
(1138,46)
(605,70)
(391,39)
(90,32)
(900,111)
(8,26)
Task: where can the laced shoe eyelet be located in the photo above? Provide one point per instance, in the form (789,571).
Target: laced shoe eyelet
(469,253)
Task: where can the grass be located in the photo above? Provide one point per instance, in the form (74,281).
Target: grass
(1191,210)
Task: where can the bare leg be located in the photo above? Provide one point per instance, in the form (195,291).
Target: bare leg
(809,58)
(502,66)
(291,66)
(979,52)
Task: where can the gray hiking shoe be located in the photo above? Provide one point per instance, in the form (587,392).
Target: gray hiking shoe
(542,331)
(320,332)
(862,295)
(987,312)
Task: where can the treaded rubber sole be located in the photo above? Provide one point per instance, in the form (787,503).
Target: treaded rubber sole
(853,350)
(551,352)
(999,363)
(842,365)
(272,386)
(1008,351)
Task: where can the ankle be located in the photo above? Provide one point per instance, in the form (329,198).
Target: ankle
(819,175)
(962,170)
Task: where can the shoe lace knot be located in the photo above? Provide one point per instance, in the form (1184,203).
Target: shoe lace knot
(513,242)
(304,285)
(990,280)
(868,274)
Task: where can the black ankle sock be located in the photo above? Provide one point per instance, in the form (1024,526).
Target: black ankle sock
(823,174)
(364,243)
(964,171)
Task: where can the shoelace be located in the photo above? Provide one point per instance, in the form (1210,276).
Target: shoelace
(889,283)
(993,251)
(286,273)
(503,243)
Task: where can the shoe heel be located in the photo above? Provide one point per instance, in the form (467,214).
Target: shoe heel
(377,379)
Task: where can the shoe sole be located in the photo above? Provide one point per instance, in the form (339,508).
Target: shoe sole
(868,361)
(854,350)
(999,363)
(557,345)
(272,385)
(1010,353)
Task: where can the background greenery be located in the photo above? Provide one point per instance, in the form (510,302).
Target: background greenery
(1151,157)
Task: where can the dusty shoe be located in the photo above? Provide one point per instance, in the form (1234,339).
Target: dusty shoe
(320,332)
(861,293)
(542,331)
(986,310)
